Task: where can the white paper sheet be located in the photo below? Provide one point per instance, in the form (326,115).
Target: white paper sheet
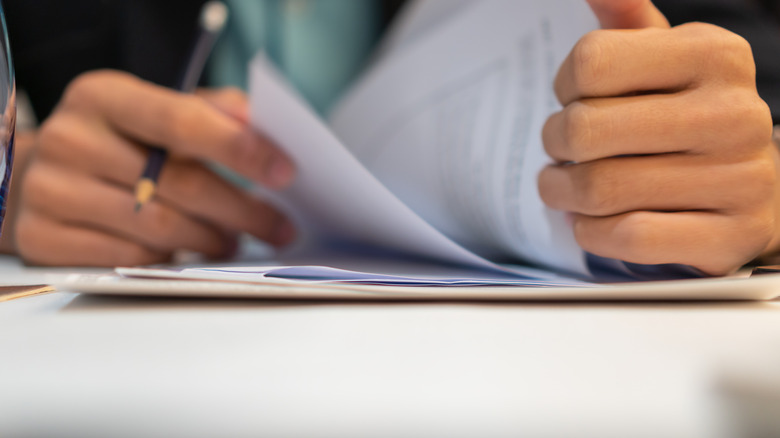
(334,196)
(326,274)
(417,18)
(763,287)
(451,124)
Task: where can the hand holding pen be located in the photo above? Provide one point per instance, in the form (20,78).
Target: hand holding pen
(213,17)
(78,201)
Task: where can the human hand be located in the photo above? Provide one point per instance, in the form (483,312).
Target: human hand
(76,201)
(663,150)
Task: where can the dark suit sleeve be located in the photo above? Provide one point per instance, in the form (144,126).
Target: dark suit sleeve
(53,41)
(749,19)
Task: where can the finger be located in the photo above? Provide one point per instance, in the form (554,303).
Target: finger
(44,241)
(229,100)
(627,14)
(79,143)
(193,188)
(184,124)
(698,122)
(614,63)
(185,184)
(92,203)
(715,243)
(660,183)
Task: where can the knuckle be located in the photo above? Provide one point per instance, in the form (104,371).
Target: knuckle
(764,168)
(635,236)
(733,47)
(737,121)
(754,115)
(761,227)
(737,56)
(762,180)
(54,137)
(589,63)
(729,52)
(87,86)
(79,89)
(739,46)
(596,190)
(578,130)
(758,229)
(178,120)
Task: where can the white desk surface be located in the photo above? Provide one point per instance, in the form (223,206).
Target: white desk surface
(86,366)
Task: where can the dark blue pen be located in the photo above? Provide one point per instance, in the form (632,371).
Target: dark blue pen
(213,16)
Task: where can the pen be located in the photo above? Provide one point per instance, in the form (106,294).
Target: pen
(213,16)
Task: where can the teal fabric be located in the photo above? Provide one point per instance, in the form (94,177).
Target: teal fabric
(320,45)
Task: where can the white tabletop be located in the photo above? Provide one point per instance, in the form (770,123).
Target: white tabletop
(100,366)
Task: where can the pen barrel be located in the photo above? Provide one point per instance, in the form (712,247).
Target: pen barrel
(154,163)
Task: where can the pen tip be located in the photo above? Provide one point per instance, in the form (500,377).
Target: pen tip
(144,191)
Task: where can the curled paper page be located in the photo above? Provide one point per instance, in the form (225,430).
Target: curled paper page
(441,141)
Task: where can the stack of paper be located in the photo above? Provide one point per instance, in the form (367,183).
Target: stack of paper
(433,155)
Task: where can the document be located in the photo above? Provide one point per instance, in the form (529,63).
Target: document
(436,151)
(451,124)
(302,274)
(168,283)
(434,156)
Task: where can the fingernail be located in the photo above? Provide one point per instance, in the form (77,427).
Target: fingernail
(284,234)
(280,173)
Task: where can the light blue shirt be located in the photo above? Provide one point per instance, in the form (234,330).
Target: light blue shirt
(320,45)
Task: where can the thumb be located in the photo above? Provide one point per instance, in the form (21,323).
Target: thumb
(627,14)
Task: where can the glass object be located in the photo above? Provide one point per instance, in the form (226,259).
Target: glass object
(7,116)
